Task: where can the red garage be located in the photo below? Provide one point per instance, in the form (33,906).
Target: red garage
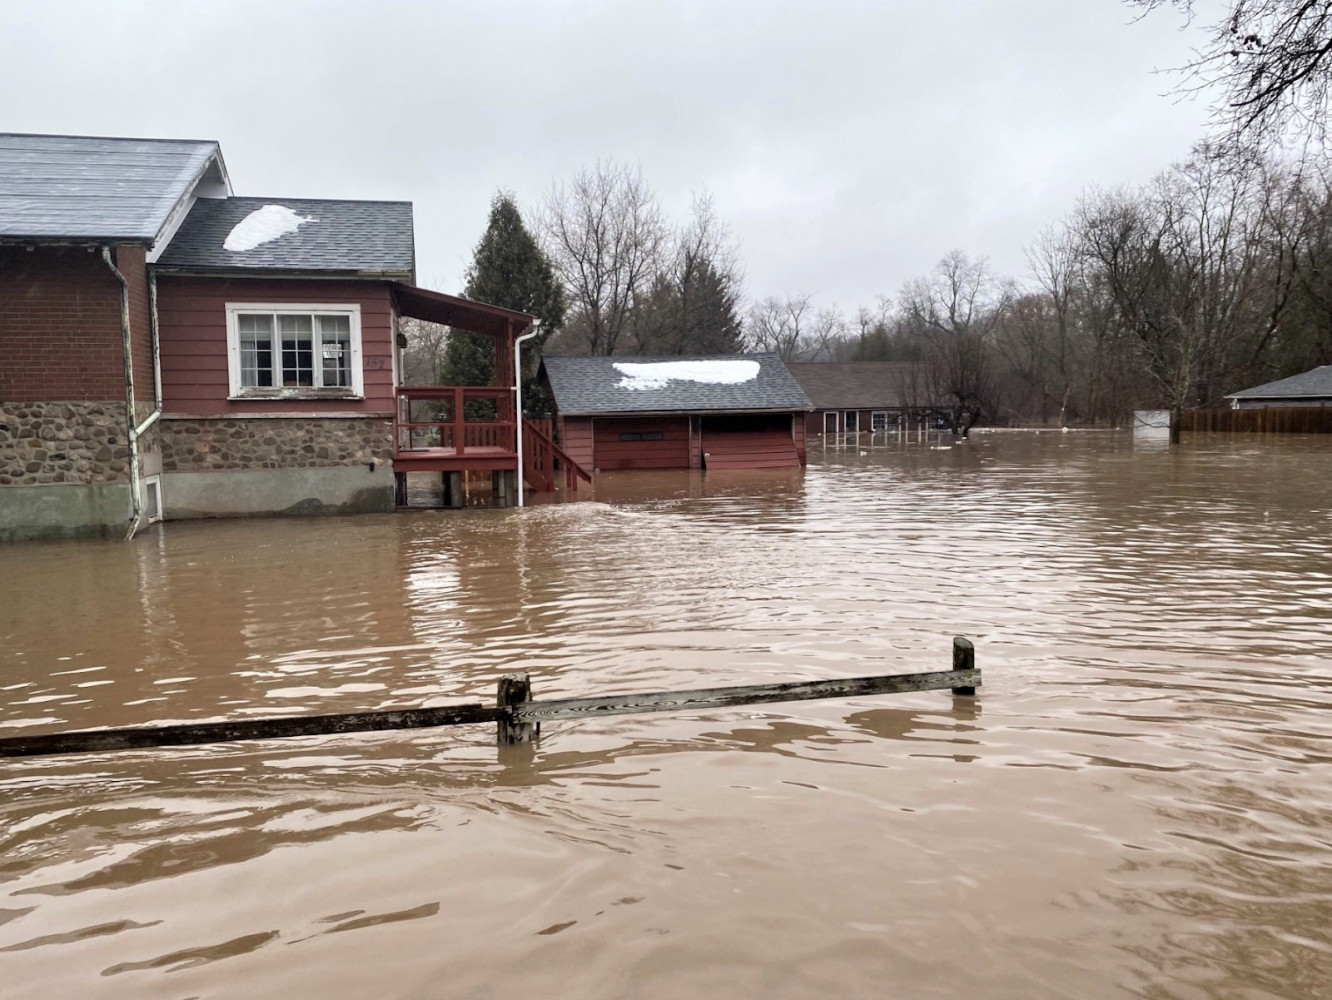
(732,412)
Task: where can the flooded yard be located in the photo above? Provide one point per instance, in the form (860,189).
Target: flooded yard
(1137,803)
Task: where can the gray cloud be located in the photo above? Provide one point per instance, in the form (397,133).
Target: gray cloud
(849,145)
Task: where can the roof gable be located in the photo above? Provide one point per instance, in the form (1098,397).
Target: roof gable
(74,188)
(294,235)
(1311,383)
(694,384)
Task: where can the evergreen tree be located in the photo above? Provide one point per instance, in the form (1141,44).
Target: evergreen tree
(510,270)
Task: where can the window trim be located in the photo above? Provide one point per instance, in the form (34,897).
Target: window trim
(236,391)
(873,421)
(153,484)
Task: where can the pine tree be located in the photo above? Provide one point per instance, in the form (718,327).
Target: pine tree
(510,270)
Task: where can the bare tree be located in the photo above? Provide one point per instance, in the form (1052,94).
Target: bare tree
(604,233)
(1185,264)
(424,354)
(790,328)
(692,305)
(953,314)
(1271,60)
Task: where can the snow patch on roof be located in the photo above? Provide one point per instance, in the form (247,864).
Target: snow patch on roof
(656,374)
(263,225)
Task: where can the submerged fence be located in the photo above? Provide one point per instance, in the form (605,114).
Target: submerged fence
(1264,420)
(517,717)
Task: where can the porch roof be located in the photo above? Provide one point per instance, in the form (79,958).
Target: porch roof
(453,310)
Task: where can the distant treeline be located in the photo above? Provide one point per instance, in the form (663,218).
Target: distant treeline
(1215,276)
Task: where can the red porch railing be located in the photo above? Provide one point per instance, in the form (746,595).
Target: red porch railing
(455,420)
(540,455)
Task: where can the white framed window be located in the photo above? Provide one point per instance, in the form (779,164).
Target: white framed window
(851,422)
(294,351)
(879,421)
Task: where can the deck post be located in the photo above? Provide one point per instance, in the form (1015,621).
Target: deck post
(400,489)
(964,658)
(514,689)
(501,488)
(453,489)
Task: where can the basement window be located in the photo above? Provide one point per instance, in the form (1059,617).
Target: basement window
(152,500)
(294,351)
(641,436)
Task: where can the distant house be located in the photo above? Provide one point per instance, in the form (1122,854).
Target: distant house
(725,412)
(1312,388)
(168,349)
(858,397)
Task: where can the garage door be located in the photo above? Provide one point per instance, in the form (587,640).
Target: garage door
(749,442)
(641,443)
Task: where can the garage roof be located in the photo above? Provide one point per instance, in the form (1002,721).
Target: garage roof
(1310,384)
(693,384)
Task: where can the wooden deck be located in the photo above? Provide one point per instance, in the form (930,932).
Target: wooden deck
(444,429)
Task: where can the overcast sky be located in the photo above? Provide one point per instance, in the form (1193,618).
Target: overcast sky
(847,145)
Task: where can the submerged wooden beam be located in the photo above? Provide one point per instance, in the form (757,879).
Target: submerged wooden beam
(518,718)
(100,740)
(747,694)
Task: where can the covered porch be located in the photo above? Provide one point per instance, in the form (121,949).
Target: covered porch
(454,430)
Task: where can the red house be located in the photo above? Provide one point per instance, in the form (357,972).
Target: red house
(170,350)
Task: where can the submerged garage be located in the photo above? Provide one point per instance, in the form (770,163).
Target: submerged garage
(729,412)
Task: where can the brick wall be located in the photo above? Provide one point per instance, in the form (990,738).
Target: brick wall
(131,261)
(60,335)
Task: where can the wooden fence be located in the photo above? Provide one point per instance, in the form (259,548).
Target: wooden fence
(1266,420)
(517,717)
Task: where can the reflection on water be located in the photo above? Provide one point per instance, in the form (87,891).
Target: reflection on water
(1135,806)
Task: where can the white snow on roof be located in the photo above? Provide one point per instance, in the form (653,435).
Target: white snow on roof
(263,225)
(655,374)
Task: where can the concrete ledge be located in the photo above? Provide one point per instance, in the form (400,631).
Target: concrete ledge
(352,489)
(64,510)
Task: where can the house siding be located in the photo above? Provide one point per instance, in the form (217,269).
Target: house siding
(193,323)
(671,452)
(576,439)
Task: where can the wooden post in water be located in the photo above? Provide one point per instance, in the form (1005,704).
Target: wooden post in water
(964,658)
(514,689)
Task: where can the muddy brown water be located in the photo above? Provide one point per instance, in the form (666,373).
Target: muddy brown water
(1138,804)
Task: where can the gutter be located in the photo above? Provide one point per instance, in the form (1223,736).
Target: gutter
(136,503)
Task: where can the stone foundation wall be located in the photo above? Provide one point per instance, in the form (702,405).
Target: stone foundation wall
(63,442)
(197,445)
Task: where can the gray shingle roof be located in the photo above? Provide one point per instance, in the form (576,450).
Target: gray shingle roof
(586,386)
(57,187)
(344,237)
(1314,383)
(855,385)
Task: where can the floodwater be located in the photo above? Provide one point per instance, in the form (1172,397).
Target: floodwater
(1137,804)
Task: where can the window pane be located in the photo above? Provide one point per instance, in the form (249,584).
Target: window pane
(256,348)
(297,350)
(335,350)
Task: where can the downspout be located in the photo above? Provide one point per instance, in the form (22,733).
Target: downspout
(157,357)
(136,505)
(518,401)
